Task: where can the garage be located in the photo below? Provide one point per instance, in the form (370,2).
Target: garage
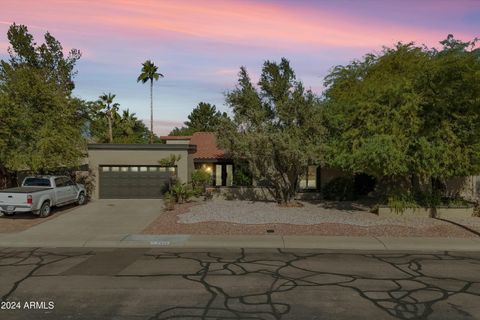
(137,171)
(134,182)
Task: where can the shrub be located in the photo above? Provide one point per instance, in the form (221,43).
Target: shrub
(340,189)
(241,179)
(201,179)
(87,178)
(169,201)
(400,202)
(181,192)
(169,161)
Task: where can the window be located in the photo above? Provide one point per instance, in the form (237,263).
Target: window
(115,169)
(124,169)
(36,182)
(143,169)
(105,169)
(171,169)
(152,169)
(60,182)
(218,175)
(309,180)
(229,175)
(134,169)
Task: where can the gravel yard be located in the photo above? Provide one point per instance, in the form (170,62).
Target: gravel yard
(244,217)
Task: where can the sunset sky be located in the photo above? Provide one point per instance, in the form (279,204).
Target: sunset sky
(200,45)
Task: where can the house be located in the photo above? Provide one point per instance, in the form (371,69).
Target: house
(208,156)
(130,171)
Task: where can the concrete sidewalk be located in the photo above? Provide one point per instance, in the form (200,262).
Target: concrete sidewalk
(249,241)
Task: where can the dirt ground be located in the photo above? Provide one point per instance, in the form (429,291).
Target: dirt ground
(23,221)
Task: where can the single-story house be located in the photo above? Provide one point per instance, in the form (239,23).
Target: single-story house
(132,171)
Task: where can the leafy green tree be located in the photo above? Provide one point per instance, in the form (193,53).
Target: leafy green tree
(203,118)
(40,122)
(407,115)
(276,128)
(109,110)
(149,73)
(182,131)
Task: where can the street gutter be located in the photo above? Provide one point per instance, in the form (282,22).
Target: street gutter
(253,241)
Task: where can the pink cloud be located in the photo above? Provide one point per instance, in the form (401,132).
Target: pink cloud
(163,127)
(240,22)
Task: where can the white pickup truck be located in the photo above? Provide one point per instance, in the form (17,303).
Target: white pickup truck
(39,194)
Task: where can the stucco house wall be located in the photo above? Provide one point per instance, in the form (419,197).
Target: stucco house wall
(131,155)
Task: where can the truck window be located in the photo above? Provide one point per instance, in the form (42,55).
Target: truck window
(36,182)
(59,182)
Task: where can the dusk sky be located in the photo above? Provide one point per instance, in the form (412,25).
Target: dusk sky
(200,45)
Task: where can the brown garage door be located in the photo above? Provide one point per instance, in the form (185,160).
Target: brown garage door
(134,182)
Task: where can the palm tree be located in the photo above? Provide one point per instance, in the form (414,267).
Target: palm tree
(128,122)
(149,73)
(106,101)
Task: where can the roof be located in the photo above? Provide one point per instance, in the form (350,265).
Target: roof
(175,137)
(206,143)
(207,147)
(155,146)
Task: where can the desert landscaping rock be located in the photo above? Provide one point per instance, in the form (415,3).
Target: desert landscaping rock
(244,212)
(221,217)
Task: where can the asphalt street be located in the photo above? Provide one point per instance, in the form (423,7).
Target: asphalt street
(82,283)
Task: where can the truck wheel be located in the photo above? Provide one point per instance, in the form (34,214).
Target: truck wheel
(81,199)
(45,210)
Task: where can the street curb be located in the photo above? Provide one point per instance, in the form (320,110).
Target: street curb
(257,241)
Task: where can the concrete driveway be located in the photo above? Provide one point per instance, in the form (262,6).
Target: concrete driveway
(100,220)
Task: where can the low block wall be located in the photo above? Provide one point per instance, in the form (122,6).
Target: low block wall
(258,194)
(440,212)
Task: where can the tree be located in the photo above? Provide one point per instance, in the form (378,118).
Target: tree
(203,118)
(40,121)
(125,127)
(109,109)
(407,115)
(149,73)
(277,128)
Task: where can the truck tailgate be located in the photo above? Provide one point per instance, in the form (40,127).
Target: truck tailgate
(13,198)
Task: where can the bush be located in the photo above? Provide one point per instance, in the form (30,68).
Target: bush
(201,179)
(400,202)
(87,178)
(169,201)
(169,161)
(241,179)
(339,189)
(181,192)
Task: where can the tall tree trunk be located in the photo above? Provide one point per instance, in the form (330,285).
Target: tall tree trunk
(110,131)
(151,111)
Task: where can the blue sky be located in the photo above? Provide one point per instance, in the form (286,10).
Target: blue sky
(200,48)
